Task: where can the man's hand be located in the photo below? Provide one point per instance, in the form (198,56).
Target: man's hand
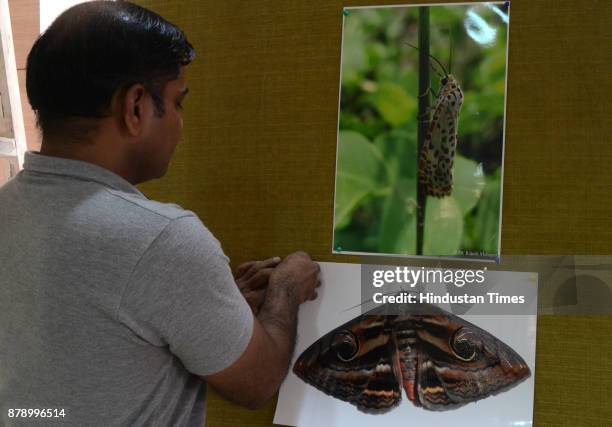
(257,374)
(252,279)
(299,274)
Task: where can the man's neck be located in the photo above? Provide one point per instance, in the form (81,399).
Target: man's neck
(89,152)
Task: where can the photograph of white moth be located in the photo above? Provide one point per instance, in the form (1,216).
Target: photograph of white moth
(440,360)
(421,122)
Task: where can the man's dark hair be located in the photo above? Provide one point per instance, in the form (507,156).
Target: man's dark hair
(95,49)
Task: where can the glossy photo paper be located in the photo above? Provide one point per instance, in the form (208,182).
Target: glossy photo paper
(456,93)
(433,367)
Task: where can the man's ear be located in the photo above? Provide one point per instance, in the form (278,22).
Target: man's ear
(134,107)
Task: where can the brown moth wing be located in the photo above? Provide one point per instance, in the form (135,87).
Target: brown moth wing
(459,363)
(368,378)
(382,391)
(442,361)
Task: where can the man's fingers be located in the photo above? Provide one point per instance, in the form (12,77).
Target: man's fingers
(255,299)
(259,279)
(270,262)
(242,268)
(255,266)
(318,273)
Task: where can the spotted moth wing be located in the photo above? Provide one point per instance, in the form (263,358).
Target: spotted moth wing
(438,152)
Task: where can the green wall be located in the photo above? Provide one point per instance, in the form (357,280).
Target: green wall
(258,156)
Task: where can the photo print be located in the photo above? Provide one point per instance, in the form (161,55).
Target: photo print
(429,367)
(421,130)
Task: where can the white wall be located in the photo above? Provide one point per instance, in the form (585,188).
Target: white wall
(50,9)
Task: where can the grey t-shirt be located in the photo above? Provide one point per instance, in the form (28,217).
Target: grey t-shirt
(109,302)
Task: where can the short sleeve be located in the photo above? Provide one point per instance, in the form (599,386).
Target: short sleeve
(182,294)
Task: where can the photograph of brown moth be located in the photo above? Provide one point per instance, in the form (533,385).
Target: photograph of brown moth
(440,360)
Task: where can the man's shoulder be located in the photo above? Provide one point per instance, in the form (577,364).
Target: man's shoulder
(165,221)
(147,207)
(130,223)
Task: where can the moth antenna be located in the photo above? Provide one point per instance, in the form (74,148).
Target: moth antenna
(435,59)
(450,52)
(362,303)
(430,64)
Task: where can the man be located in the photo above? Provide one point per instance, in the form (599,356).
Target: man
(116,310)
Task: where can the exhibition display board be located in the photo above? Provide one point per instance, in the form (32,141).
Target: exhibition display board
(257,160)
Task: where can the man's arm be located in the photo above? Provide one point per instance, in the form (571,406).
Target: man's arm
(257,374)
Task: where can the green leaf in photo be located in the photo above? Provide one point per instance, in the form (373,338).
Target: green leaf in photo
(358,169)
(393,103)
(486,222)
(399,148)
(397,233)
(354,58)
(469,182)
(398,224)
(443,227)
(376,52)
